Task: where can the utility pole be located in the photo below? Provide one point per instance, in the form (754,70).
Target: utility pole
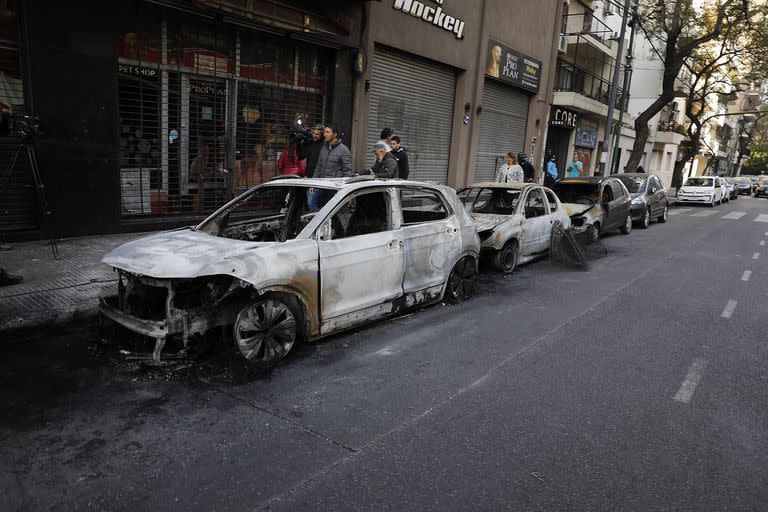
(625,89)
(612,96)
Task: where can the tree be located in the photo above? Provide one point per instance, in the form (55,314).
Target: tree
(679,29)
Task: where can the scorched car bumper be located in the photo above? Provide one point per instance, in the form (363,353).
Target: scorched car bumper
(157,329)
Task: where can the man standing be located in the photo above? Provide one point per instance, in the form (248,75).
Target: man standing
(398,151)
(551,176)
(334,161)
(386,164)
(386,138)
(310,149)
(574,167)
(528,170)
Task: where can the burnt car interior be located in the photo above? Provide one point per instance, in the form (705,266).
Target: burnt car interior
(269,214)
(419,206)
(498,201)
(361,215)
(578,193)
(534,205)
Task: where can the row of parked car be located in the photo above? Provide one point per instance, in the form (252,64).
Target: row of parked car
(266,270)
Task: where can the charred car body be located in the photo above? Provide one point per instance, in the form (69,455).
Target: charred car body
(596,205)
(514,220)
(269,270)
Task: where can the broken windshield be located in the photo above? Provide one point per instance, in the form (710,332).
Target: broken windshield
(497,201)
(577,192)
(267,214)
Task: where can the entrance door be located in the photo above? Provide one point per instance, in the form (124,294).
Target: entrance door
(362,258)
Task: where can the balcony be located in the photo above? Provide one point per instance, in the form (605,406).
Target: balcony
(584,27)
(574,79)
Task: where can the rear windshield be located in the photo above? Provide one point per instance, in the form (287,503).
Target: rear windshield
(698,182)
(633,183)
(577,192)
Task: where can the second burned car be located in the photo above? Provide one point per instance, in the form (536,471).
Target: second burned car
(596,205)
(514,220)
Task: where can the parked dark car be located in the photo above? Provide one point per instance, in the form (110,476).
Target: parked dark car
(743,186)
(761,189)
(595,205)
(649,198)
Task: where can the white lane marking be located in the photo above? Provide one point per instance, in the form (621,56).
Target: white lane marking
(763,217)
(766,233)
(704,214)
(734,215)
(678,211)
(762,242)
(747,275)
(729,309)
(695,372)
(756,255)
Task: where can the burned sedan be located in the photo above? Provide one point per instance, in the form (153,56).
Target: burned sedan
(596,205)
(514,220)
(269,271)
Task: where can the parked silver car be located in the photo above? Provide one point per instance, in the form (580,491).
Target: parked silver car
(273,271)
(514,220)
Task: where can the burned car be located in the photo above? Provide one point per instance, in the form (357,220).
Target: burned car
(596,205)
(514,220)
(270,271)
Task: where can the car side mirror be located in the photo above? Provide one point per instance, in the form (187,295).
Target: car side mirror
(325,232)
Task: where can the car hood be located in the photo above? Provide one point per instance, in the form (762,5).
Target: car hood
(486,221)
(582,209)
(182,254)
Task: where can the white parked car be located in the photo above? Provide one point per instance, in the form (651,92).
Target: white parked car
(269,271)
(701,189)
(514,220)
(726,195)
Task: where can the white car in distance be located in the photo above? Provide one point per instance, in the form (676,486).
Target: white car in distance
(702,190)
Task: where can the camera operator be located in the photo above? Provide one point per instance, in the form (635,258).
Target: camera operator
(5,129)
(309,149)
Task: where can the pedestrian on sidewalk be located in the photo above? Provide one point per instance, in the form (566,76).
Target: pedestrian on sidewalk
(386,138)
(334,161)
(289,161)
(550,176)
(510,171)
(386,164)
(309,150)
(400,154)
(574,167)
(528,171)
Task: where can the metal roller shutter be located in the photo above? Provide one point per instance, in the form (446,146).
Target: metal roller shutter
(415,99)
(502,127)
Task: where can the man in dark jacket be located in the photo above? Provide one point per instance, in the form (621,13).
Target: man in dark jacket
(398,151)
(310,149)
(528,170)
(386,164)
(334,161)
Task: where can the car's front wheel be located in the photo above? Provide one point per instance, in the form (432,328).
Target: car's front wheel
(627,227)
(461,280)
(265,330)
(593,233)
(505,259)
(665,214)
(645,221)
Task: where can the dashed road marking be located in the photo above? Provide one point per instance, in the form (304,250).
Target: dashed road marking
(747,275)
(763,217)
(762,242)
(756,256)
(678,211)
(692,378)
(729,309)
(734,215)
(704,214)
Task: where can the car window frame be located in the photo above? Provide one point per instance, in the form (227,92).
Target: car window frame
(446,204)
(323,229)
(528,193)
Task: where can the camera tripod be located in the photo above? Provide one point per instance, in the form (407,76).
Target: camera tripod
(46,214)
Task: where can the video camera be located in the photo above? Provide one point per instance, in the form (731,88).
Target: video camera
(300,133)
(23,124)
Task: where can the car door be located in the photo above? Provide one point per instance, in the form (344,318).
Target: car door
(618,204)
(654,196)
(362,257)
(432,236)
(537,226)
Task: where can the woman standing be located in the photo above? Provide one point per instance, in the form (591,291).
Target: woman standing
(510,172)
(289,162)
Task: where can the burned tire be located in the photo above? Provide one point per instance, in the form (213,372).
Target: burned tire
(593,233)
(505,259)
(461,281)
(645,221)
(265,330)
(665,214)
(627,227)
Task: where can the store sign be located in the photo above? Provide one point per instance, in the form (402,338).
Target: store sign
(586,137)
(513,67)
(563,117)
(433,15)
(136,70)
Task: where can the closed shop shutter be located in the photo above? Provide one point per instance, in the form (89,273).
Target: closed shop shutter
(502,127)
(415,99)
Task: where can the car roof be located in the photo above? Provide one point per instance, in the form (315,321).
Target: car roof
(345,183)
(496,184)
(633,175)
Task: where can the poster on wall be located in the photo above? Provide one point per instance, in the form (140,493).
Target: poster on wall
(586,137)
(513,67)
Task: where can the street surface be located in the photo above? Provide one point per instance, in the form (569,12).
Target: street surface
(639,384)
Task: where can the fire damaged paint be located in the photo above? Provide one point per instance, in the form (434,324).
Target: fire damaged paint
(584,216)
(531,234)
(185,282)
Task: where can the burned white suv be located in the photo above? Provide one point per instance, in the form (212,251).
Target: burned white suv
(267,269)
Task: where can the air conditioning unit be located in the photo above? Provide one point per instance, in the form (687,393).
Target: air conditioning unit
(562,46)
(608,9)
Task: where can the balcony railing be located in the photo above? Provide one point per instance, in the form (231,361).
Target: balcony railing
(586,23)
(572,78)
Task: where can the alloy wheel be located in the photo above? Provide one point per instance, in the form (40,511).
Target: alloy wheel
(265,331)
(462,280)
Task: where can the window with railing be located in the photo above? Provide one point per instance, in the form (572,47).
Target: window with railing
(572,78)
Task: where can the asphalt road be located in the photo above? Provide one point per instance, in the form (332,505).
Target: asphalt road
(636,385)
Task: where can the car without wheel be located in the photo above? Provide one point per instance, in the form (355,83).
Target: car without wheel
(649,198)
(701,190)
(514,220)
(596,205)
(270,271)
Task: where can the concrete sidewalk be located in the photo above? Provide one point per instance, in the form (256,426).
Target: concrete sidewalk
(56,291)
